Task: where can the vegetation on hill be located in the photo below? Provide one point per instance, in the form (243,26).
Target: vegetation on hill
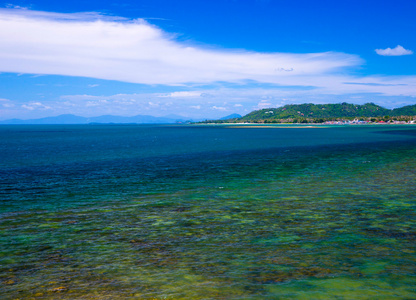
(409,110)
(319,113)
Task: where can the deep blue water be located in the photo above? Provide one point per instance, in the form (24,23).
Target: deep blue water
(207,212)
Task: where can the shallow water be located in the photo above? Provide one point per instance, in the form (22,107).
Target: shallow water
(207,212)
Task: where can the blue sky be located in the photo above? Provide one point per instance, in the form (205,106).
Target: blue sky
(202,59)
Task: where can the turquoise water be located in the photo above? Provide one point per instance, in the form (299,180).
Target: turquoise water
(207,212)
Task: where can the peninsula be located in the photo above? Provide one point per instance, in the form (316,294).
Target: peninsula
(327,113)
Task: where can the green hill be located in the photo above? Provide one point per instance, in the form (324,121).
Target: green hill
(409,110)
(323,112)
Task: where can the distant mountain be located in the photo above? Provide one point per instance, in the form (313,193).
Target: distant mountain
(72,119)
(62,119)
(327,111)
(232,116)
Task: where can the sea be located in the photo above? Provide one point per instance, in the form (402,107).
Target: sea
(207,212)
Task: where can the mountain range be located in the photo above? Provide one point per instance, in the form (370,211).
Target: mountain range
(110,119)
(73,119)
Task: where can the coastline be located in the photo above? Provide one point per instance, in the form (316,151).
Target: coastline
(298,125)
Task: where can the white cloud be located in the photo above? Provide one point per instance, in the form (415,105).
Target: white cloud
(35,105)
(93,45)
(10,5)
(182,94)
(6,103)
(218,107)
(97,102)
(264,104)
(398,51)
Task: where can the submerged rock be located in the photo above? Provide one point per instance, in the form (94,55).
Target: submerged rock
(59,289)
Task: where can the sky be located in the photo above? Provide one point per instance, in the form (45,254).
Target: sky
(202,59)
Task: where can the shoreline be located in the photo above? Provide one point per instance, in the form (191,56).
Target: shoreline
(297,125)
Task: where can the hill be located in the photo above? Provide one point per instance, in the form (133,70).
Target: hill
(324,112)
(232,116)
(409,110)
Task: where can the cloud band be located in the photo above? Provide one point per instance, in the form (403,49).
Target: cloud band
(92,45)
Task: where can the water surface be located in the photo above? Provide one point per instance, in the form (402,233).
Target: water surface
(207,212)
